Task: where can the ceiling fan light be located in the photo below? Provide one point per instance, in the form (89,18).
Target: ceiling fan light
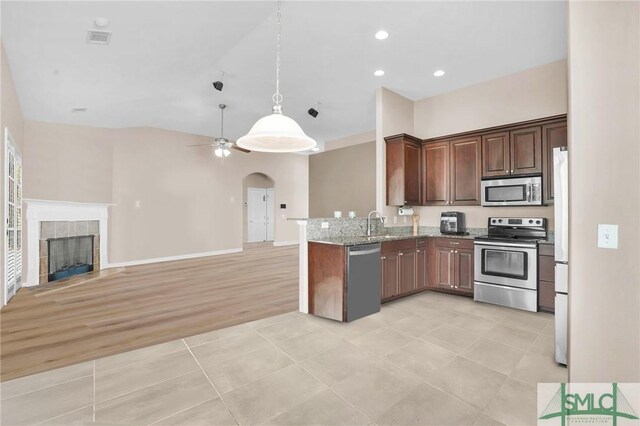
(226,152)
(276,133)
(218,152)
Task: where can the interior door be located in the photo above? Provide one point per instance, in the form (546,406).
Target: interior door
(13,214)
(270,212)
(256,215)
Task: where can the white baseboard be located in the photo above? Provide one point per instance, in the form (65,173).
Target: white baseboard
(172,258)
(285,243)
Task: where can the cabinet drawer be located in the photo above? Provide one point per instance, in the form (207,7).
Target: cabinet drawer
(455,243)
(421,242)
(547,268)
(546,250)
(399,245)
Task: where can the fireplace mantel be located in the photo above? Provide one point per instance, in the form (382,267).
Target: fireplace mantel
(45,210)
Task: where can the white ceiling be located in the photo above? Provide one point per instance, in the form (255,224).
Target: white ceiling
(163,57)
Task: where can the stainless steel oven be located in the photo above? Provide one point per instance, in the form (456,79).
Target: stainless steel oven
(508,264)
(517,191)
(506,274)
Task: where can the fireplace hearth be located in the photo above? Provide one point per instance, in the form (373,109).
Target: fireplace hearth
(68,256)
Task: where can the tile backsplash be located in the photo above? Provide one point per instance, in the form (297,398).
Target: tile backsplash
(60,229)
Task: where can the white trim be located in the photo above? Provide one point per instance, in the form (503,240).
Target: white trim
(172,258)
(303,269)
(45,210)
(285,243)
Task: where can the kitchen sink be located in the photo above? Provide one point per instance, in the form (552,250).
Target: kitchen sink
(376,237)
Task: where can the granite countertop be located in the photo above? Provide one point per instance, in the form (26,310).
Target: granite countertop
(354,240)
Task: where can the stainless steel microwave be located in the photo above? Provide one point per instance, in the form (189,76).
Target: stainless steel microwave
(515,191)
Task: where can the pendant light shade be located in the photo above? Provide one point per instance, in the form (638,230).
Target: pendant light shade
(276,132)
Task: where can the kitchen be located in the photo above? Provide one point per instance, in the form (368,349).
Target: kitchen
(509,262)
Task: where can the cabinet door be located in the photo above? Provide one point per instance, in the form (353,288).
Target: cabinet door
(496,160)
(553,136)
(444,268)
(526,151)
(407,271)
(436,173)
(421,268)
(403,171)
(465,171)
(412,177)
(390,275)
(463,271)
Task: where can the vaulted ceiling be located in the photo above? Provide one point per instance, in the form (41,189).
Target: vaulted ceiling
(163,56)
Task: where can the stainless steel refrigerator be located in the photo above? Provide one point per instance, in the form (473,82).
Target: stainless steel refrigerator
(561,213)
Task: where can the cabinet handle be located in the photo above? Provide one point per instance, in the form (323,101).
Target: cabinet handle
(451,251)
(383,257)
(418,251)
(454,243)
(456,251)
(400,254)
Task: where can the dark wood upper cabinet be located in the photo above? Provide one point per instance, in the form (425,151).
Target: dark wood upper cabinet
(403,170)
(526,151)
(452,171)
(553,136)
(465,171)
(436,173)
(496,157)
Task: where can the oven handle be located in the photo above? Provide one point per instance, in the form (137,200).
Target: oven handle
(507,245)
(528,193)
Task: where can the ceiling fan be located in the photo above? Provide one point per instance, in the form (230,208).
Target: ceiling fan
(222,145)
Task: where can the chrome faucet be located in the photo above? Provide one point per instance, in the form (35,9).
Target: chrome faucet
(369,221)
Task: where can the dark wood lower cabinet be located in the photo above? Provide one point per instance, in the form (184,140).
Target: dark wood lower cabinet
(408,271)
(327,275)
(422,269)
(546,278)
(390,275)
(452,266)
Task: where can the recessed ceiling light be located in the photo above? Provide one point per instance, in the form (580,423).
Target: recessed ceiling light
(79,109)
(378,73)
(382,34)
(439,73)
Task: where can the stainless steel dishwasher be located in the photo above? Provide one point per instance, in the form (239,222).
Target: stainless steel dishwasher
(363,281)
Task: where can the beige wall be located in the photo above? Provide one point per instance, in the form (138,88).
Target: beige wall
(11,118)
(604,153)
(68,163)
(175,200)
(254,180)
(535,93)
(350,140)
(343,179)
(169,199)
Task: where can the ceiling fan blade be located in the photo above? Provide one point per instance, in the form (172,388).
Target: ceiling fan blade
(201,144)
(237,148)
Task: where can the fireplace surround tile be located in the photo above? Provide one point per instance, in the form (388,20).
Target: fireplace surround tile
(47,230)
(62,229)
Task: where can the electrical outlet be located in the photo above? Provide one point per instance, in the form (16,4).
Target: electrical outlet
(325,225)
(608,236)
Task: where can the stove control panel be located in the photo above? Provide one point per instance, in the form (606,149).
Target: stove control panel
(518,221)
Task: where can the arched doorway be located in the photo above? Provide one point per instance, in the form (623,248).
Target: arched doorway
(258,193)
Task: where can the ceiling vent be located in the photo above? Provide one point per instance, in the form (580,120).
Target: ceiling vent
(98,37)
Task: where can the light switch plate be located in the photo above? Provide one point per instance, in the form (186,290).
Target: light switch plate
(325,225)
(608,236)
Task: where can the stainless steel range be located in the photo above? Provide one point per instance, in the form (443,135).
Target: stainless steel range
(506,262)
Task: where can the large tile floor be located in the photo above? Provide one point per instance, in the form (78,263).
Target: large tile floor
(427,359)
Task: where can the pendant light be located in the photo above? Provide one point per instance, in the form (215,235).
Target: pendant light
(276,132)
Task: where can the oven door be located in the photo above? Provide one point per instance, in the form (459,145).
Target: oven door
(514,265)
(512,192)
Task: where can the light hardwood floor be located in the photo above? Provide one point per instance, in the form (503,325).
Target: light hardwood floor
(144,305)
